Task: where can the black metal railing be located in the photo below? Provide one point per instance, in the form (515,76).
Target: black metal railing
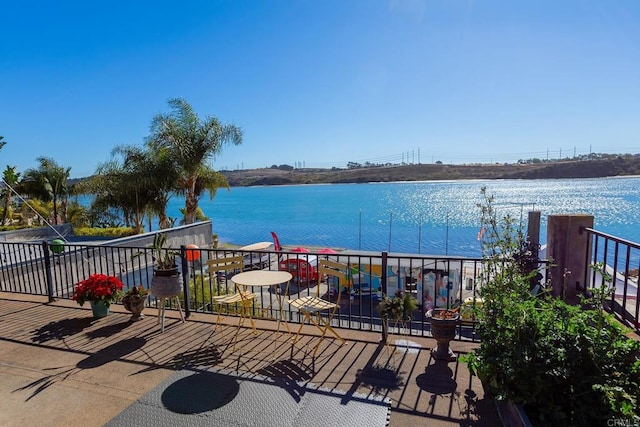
(616,263)
(436,281)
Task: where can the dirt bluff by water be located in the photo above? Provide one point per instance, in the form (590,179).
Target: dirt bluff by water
(619,166)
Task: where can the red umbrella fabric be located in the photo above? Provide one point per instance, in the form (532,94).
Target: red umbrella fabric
(299,249)
(327,251)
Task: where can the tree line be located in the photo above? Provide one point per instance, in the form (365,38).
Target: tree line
(136,184)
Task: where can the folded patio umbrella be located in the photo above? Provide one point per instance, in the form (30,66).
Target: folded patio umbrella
(327,251)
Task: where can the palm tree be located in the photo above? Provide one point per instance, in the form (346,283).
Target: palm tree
(77,214)
(155,176)
(2,143)
(115,188)
(192,143)
(10,178)
(136,181)
(48,183)
(200,216)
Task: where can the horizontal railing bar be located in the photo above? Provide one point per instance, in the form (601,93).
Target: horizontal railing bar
(612,238)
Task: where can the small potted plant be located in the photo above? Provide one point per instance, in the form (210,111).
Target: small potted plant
(398,309)
(166,277)
(100,290)
(134,300)
(163,256)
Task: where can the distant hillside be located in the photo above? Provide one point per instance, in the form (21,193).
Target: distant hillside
(619,166)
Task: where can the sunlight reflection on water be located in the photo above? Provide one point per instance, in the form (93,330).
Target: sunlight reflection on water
(425,217)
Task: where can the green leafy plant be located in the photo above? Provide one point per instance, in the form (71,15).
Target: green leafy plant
(399,308)
(201,292)
(137,291)
(163,256)
(567,365)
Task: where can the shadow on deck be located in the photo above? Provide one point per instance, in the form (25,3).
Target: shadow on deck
(56,356)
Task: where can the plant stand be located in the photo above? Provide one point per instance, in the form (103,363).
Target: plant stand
(390,333)
(166,287)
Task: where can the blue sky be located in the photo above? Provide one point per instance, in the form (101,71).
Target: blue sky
(318,83)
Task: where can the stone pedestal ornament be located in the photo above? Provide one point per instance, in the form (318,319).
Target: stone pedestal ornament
(134,304)
(443,328)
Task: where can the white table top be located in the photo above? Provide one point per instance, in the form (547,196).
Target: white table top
(261,278)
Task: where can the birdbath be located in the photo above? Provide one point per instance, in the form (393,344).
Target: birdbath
(443,328)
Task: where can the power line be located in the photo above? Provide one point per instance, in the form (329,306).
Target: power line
(463,158)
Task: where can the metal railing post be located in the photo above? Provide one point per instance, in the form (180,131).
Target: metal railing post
(383,275)
(185,281)
(47,270)
(383,283)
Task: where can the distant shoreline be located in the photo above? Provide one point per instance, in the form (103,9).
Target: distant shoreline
(605,168)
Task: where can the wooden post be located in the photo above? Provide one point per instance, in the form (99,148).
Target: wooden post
(566,249)
(533,228)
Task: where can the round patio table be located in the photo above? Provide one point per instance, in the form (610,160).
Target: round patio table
(266,278)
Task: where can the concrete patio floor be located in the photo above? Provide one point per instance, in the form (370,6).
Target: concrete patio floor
(61,367)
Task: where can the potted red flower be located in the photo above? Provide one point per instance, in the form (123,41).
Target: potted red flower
(100,290)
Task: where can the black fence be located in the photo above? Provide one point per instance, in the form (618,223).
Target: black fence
(436,282)
(616,263)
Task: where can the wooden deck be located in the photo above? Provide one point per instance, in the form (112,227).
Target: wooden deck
(44,347)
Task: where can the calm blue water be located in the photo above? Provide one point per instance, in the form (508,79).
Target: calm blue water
(415,217)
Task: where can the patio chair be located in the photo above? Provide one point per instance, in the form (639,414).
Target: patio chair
(313,306)
(240,298)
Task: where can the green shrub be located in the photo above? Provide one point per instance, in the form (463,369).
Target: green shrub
(15,227)
(111,232)
(201,293)
(568,365)
(202,290)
